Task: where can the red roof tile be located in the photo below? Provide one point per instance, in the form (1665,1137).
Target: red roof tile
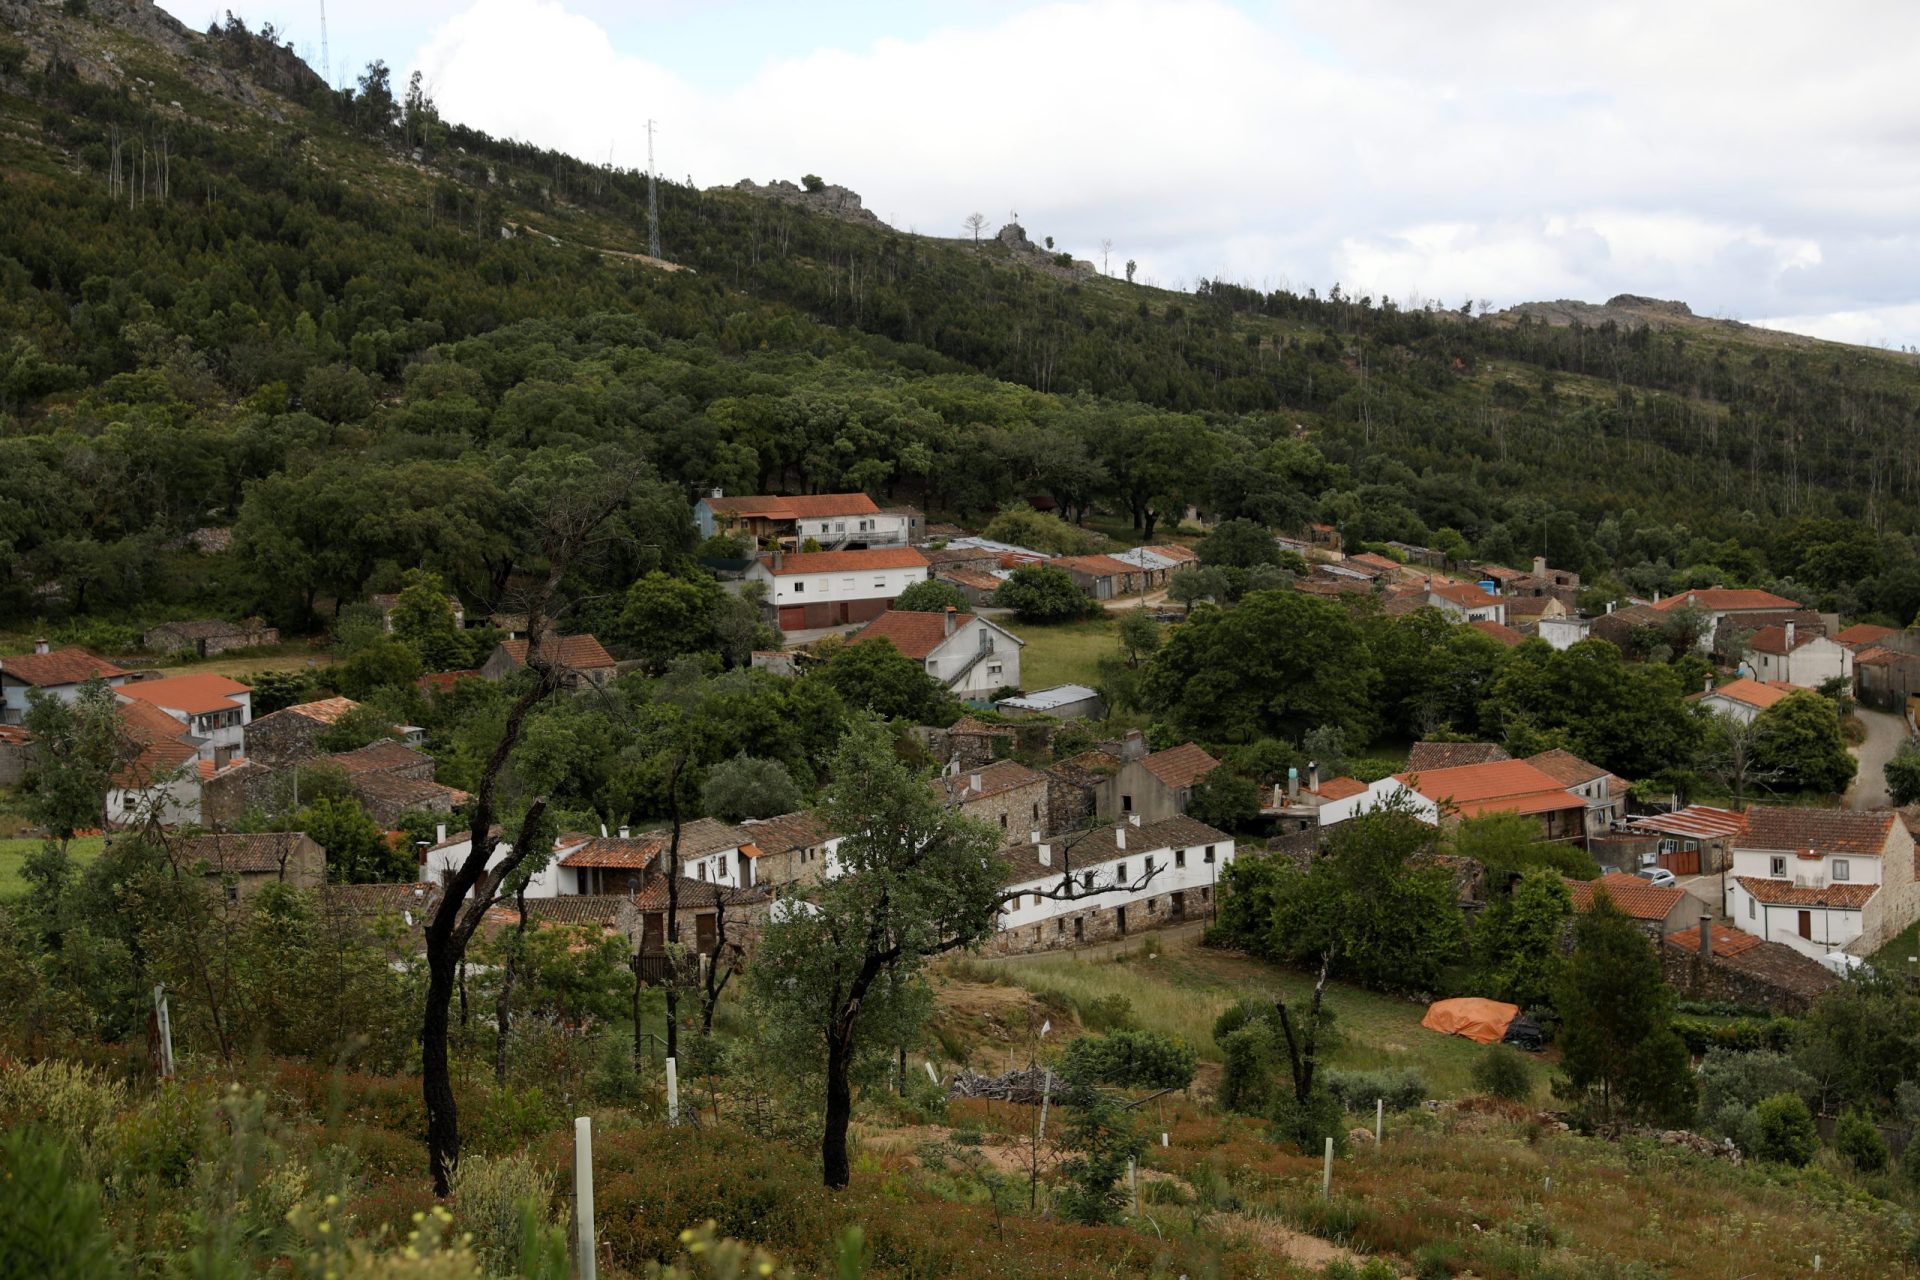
(1724,941)
(325,710)
(634,852)
(1630,893)
(1724,600)
(1783,893)
(574,653)
(1499,631)
(1864,633)
(1755,693)
(1464,594)
(195,695)
(805,506)
(1097,565)
(1340,788)
(1843,831)
(62,666)
(1428,756)
(915,634)
(799,562)
(1180,766)
(1001,775)
(1501,786)
(443,681)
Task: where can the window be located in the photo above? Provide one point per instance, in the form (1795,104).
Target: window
(1036,811)
(1209,858)
(1179,858)
(879,583)
(1121,872)
(1060,925)
(1842,869)
(1777,868)
(823,526)
(993,668)
(701,871)
(1752,910)
(1086,881)
(1036,899)
(1126,804)
(846,584)
(799,587)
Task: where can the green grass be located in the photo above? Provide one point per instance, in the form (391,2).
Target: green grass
(1892,958)
(1065,653)
(1182,990)
(13,854)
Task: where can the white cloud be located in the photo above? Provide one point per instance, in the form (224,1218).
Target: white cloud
(1747,158)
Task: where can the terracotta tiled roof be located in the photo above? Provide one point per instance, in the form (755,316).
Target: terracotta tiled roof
(1874,656)
(1088,769)
(406,793)
(1696,820)
(1502,786)
(1001,775)
(1774,639)
(13,733)
(916,635)
(156,760)
(1499,631)
(1864,633)
(62,666)
(1724,941)
(579,908)
(1174,551)
(629,852)
(1427,756)
(1725,599)
(1784,893)
(443,681)
(1340,788)
(380,899)
(1566,768)
(1096,565)
(323,711)
(1528,606)
(195,695)
(798,830)
(1375,562)
(1630,893)
(1464,594)
(800,562)
(243,853)
(978,579)
(1100,845)
(379,757)
(143,722)
(1180,766)
(573,653)
(1755,693)
(804,506)
(1842,831)
(703,836)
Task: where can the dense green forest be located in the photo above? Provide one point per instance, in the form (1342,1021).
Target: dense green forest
(359,335)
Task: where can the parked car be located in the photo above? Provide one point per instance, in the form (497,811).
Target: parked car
(1524,1033)
(1658,877)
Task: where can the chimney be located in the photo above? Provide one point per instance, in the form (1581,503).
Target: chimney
(1033,837)
(1120,836)
(1789,637)
(1656,595)
(1706,937)
(623,832)
(973,782)
(1278,801)
(776,557)
(1313,775)
(1134,818)
(40,645)
(1046,855)
(439,833)
(1134,745)
(1609,606)
(1293,782)
(1693,599)
(1539,566)
(717,492)
(951,611)
(1708,678)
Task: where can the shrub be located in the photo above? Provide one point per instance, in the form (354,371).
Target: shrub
(1308,1125)
(1746,1035)
(1106,1013)
(1246,1075)
(1357,1090)
(52,1224)
(1438,1260)
(491,1197)
(1501,1072)
(1131,1060)
(84,1102)
(1786,1130)
(1858,1139)
(1738,1079)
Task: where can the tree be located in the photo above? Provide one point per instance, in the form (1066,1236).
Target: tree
(357,849)
(813,182)
(1139,635)
(385,662)
(931,596)
(1517,942)
(1021,525)
(78,747)
(1732,754)
(916,879)
(1044,593)
(665,616)
(1239,544)
(1903,773)
(1106,253)
(1104,1142)
(1633,720)
(1130,266)
(745,787)
(1786,1132)
(1189,585)
(1225,800)
(874,676)
(975,223)
(1619,1052)
(362,726)
(423,617)
(1798,739)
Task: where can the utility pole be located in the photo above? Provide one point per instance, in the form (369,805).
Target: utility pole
(653,200)
(326,58)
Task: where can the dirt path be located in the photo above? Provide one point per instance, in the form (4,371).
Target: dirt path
(1885,732)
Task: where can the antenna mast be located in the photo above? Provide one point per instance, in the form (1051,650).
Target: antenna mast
(653,200)
(326,58)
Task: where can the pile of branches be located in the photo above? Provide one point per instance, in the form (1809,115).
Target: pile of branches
(1015,1086)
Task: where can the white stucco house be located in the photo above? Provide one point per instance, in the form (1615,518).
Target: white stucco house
(971,655)
(1789,655)
(1132,876)
(1743,698)
(1820,880)
(835,588)
(56,673)
(211,707)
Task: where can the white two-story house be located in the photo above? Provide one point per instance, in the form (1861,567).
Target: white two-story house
(211,707)
(1788,654)
(968,654)
(56,673)
(835,588)
(833,520)
(1823,879)
(1129,876)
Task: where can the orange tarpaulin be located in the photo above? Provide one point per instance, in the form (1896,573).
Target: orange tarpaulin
(1481,1021)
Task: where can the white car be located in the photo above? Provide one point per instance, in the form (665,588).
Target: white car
(1658,877)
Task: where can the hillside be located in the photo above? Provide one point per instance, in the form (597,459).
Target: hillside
(227,280)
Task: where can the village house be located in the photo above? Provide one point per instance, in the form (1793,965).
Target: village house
(1445,796)
(1693,840)
(581,660)
(1423,757)
(1077,789)
(1381,568)
(1562,633)
(834,521)
(1132,875)
(1742,698)
(1714,962)
(1790,655)
(979,586)
(1526,613)
(609,864)
(56,673)
(441,859)
(1736,631)
(712,920)
(293,733)
(1301,807)
(1499,631)
(835,588)
(1864,635)
(1604,792)
(971,741)
(249,862)
(969,655)
(1465,602)
(208,636)
(16,753)
(1157,785)
(1103,577)
(1005,794)
(390,779)
(160,773)
(713,851)
(795,849)
(1823,879)
(1657,912)
(1721,603)
(1622,627)
(210,706)
(1061,702)
(1886,673)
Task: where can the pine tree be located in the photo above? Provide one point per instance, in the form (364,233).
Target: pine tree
(1619,1051)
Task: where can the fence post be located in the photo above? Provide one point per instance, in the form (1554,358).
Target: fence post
(586,1262)
(1326,1175)
(1133,1186)
(673,1092)
(163,1023)
(1379,1114)
(1046,1092)
(932,1074)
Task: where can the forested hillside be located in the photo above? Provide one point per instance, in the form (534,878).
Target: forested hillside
(359,335)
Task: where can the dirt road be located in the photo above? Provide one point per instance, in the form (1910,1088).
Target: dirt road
(1885,732)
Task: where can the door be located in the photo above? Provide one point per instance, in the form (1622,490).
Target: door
(1806,925)
(1120,917)
(704,933)
(1079,928)
(1179,904)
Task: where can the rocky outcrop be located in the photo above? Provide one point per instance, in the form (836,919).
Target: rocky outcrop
(834,201)
(1013,238)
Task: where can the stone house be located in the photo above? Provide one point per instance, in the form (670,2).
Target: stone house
(208,636)
(1714,962)
(1076,788)
(249,862)
(293,733)
(581,660)
(1657,912)
(1157,785)
(1005,794)
(1604,792)
(794,849)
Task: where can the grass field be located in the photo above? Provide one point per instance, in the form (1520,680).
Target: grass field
(1067,653)
(13,853)
(1184,988)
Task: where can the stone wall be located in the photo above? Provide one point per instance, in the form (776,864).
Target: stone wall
(1770,976)
(1074,928)
(1016,810)
(282,738)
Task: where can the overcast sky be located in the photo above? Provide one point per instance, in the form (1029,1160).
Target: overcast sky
(1759,160)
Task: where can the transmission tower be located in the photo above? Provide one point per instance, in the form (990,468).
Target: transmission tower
(326,57)
(653,200)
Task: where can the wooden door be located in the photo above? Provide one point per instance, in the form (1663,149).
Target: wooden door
(1179,904)
(1120,915)
(704,933)
(1806,925)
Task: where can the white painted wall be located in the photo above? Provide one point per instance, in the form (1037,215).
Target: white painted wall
(1564,633)
(995,672)
(1809,666)
(864,584)
(1179,869)
(1377,795)
(550,881)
